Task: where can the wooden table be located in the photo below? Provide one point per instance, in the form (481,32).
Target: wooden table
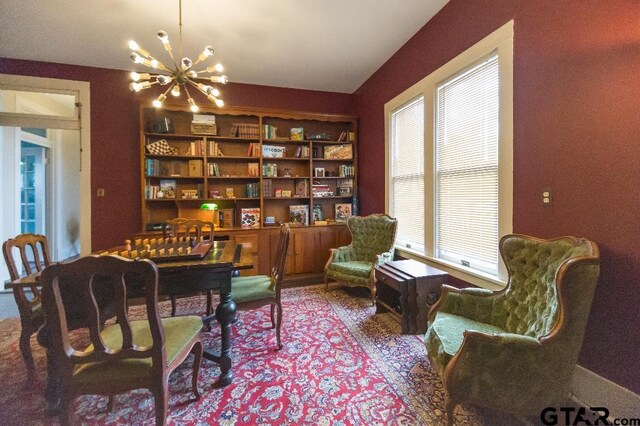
(412,285)
(213,272)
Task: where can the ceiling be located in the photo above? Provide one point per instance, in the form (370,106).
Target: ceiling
(329,45)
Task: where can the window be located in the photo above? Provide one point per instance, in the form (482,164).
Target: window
(407,173)
(450,160)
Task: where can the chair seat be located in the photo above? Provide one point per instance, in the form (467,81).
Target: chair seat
(444,337)
(178,331)
(358,268)
(256,287)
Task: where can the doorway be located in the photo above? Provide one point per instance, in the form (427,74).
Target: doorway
(44,165)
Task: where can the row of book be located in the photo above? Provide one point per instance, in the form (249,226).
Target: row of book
(167,190)
(252,190)
(214,149)
(155,167)
(213,170)
(269,131)
(245,130)
(270,170)
(196,148)
(346,170)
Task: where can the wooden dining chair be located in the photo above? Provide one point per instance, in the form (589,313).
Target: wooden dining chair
(126,355)
(186,230)
(33,251)
(252,292)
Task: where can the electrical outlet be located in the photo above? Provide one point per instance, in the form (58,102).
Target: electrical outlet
(546,197)
(100,192)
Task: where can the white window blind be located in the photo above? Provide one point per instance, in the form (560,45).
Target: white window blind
(407,174)
(466,157)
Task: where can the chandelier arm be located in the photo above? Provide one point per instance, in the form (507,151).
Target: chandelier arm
(196,86)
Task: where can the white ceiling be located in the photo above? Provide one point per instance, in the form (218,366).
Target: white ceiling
(330,45)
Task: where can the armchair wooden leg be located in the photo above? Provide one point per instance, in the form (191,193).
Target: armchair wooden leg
(373,296)
(25,349)
(110,403)
(450,408)
(197,352)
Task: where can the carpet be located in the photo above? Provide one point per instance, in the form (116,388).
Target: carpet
(341,365)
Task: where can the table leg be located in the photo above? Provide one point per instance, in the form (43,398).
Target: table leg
(225,314)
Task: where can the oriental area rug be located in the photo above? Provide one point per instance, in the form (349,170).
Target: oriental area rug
(341,364)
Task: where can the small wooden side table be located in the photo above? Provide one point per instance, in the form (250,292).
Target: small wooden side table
(416,287)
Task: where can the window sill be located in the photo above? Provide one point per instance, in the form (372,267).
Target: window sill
(473,277)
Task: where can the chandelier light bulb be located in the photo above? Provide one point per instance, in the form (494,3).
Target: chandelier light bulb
(219,67)
(133,45)
(208,51)
(222,79)
(140,76)
(163,80)
(186,63)
(192,74)
(215,92)
(163,36)
(158,102)
(137,59)
(193,106)
(219,103)
(175,90)
(155,63)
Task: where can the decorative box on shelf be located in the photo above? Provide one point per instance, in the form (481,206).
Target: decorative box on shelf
(204,128)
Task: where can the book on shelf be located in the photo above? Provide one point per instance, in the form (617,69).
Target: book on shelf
(270,151)
(252,190)
(214,149)
(344,187)
(250,218)
(299,214)
(342,212)
(301,152)
(346,170)
(269,131)
(214,193)
(253,150)
(167,189)
(229,193)
(338,152)
(297,133)
(317,152)
(342,137)
(213,169)
(245,130)
(321,190)
(196,148)
(352,136)
(270,170)
(317,213)
(195,168)
(301,187)
(189,194)
(253,169)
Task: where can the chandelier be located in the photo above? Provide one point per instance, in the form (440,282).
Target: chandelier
(180,77)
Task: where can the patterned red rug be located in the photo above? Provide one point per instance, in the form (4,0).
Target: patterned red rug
(341,365)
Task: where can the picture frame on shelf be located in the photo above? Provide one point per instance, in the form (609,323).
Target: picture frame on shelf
(299,214)
(342,212)
(318,172)
(317,212)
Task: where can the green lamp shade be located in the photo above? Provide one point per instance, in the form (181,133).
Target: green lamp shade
(209,206)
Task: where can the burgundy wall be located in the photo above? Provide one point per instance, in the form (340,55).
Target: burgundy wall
(576,130)
(115,162)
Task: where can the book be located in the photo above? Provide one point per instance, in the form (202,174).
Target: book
(338,152)
(253,169)
(228,192)
(250,218)
(226,218)
(299,214)
(297,133)
(168,188)
(342,212)
(270,151)
(317,213)
(195,168)
(302,187)
(342,137)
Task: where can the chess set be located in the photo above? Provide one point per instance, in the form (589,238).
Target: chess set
(163,249)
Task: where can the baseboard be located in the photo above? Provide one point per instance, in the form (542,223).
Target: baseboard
(592,390)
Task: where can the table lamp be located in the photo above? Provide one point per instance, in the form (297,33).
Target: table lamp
(212,207)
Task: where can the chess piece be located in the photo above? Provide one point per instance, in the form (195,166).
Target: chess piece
(127,245)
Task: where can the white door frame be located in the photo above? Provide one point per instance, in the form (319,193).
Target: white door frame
(81,89)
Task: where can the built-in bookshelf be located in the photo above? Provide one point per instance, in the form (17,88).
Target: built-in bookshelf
(260,167)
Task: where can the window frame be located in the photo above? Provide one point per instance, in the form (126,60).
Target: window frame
(500,41)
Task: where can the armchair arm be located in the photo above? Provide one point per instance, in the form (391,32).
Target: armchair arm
(472,303)
(382,258)
(342,254)
(514,363)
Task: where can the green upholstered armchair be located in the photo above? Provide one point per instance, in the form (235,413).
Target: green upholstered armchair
(515,350)
(371,245)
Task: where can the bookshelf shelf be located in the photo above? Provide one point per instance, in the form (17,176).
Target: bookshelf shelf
(219,169)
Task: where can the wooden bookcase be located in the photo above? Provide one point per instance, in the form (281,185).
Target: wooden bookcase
(228,168)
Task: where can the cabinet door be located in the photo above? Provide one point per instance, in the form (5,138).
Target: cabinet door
(328,239)
(304,250)
(249,242)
